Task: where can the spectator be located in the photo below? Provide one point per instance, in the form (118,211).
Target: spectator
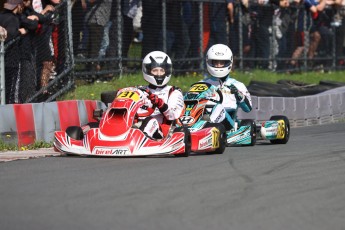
(27,77)
(217,19)
(151,24)
(9,20)
(306,21)
(178,40)
(96,19)
(43,41)
(234,34)
(3,34)
(287,16)
(339,19)
(111,40)
(138,37)
(79,9)
(316,9)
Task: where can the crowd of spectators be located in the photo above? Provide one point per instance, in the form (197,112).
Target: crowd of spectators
(270,34)
(283,29)
(274,32)
(29,55)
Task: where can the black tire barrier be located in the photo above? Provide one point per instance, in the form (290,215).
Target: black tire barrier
(289,88)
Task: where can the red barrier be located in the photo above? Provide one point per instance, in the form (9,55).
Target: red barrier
(25,124)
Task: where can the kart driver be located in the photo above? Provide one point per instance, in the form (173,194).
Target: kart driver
(219,61)
(167,100)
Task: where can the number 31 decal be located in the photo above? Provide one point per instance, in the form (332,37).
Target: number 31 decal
(129,95)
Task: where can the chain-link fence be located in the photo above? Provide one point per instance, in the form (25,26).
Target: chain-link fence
(37,65)
(103,39)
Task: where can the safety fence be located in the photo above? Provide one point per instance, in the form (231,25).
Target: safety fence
(108,39)
(38,66)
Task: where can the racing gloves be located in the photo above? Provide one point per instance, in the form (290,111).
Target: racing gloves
(158,102)
(238,95)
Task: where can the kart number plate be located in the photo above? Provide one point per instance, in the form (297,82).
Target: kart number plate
(198,88)
(129,95)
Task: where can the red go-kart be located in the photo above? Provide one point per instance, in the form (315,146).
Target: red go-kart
(117,133)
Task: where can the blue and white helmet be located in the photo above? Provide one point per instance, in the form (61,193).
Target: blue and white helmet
(219,52)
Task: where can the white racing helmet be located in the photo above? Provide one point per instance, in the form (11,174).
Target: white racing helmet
(219,52)
(153,60)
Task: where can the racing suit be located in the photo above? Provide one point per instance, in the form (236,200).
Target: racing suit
(158,123)
(226,112)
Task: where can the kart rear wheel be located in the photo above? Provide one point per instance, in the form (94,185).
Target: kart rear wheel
(287,129)
(75,132)
(252,124)
(187,141)
(221,137)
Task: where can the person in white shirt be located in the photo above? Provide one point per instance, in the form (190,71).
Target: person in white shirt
(166,99)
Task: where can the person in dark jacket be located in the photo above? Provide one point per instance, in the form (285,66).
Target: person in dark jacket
(9,19)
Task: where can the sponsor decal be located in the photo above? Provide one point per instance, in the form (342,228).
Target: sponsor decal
(205,143)
(219,54)
(187,120)
(238,137)
(219,117)
(110,151)
(270,130)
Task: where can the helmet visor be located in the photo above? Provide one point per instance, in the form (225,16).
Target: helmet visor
(218,63)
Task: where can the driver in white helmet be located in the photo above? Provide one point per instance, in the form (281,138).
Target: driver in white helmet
(219,61)
(167,99)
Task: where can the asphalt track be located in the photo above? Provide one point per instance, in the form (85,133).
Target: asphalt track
(295,186)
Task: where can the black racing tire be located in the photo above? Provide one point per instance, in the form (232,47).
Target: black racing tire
(266,89)
(252,124)
(187,141)
(222,137)
(264,92)
(75,132)
(287,129)
(332,84)
(262,84)
(292,83)
(108,97)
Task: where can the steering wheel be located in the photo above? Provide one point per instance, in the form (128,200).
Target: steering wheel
(220,94)
(198,87)
(150,110)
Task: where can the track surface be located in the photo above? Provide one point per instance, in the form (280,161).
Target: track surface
(295,186)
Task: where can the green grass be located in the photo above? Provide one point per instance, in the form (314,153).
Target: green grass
(8,146)
(93,91)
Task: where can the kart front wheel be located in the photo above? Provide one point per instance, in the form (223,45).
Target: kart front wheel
(187,141)
(75,132)
(221,137)
(286,129)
